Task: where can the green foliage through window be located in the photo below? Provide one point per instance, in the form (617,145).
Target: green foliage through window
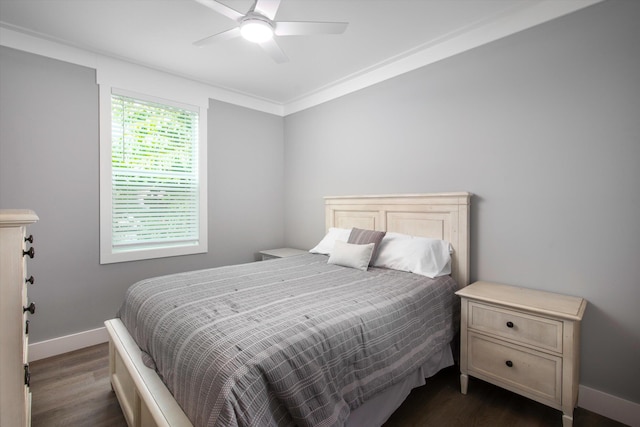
(154,173)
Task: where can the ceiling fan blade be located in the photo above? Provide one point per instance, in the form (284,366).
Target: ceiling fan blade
(274,51)
(267,7)
(222,9)
(225,35)
(309,28)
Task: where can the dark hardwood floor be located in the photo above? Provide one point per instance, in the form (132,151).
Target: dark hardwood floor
(73,390)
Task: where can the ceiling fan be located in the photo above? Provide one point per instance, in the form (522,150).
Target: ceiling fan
(258,25)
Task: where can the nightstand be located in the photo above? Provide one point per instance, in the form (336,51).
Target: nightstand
(280,253)
(523,340)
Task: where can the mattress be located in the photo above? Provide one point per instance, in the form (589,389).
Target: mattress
(292,341)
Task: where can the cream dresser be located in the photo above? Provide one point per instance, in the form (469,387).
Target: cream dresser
(523,340)
(15,248)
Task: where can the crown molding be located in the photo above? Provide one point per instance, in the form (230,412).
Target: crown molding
(117,70)
(510,22)
(516,19)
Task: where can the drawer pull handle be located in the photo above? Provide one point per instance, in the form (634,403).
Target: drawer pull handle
(27,376)
(29,239)
(30,252)
(509,363)
(31,308)
(30,280)
(509,324)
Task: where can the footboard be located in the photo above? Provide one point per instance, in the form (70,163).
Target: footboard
(143,397)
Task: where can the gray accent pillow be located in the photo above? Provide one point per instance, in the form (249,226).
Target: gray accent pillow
(359,236)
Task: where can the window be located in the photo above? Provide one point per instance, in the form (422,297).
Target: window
(153,182)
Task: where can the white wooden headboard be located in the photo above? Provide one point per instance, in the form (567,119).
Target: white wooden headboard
(439,215)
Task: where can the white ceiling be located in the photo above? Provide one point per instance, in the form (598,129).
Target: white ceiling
(384,38)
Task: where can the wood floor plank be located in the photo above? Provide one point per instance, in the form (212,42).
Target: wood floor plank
(73,390)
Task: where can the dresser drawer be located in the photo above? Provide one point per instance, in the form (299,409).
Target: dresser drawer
(531,373)
(516,326)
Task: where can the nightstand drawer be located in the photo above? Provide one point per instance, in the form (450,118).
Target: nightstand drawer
(530,330)
(531,373)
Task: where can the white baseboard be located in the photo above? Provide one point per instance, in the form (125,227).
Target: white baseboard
(605,404)
(610,406)
(67,343)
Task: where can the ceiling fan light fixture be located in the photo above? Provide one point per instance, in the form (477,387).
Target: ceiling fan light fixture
(256,30)
(259,26)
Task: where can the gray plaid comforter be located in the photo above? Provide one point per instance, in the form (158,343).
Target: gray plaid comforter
(292,341)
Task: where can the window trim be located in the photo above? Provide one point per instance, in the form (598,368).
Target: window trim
(107,253)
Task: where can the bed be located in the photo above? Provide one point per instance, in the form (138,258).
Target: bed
(365,398)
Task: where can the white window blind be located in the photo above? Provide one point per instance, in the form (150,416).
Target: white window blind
(154,174)
(152,196)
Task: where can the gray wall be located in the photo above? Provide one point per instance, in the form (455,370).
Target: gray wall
(544,128)
(49,163)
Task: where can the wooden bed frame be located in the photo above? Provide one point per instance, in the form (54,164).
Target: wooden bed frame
(146,401)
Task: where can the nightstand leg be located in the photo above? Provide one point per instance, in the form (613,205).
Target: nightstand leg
(464,383)
(567,420)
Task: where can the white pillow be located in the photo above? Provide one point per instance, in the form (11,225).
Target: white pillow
(326,244)
(351,255)
(419,255)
